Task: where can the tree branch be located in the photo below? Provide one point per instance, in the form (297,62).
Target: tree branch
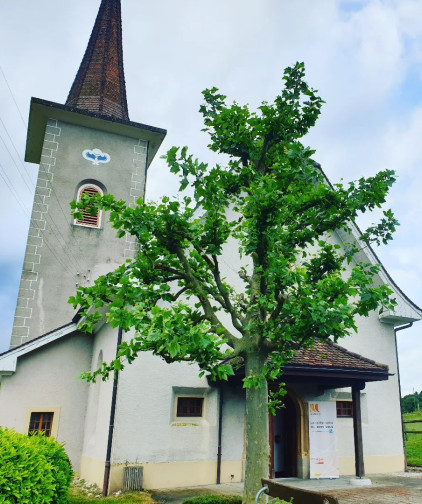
(278,308)
(260,165)
(174,278)
(202,297)
(177,273)
(224,300)
(237,320)
(181,291)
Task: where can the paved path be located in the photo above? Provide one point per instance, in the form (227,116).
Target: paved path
(398,488)
(405,488)
(178,495)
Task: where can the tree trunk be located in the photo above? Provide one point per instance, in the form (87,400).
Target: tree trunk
(257,451)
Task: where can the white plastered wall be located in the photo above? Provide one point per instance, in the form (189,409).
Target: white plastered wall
(381,414)
(96,428)
(174,451)
(233,433)
(47,380)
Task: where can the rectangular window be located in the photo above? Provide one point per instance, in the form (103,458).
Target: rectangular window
(189,406)
(344,409)
(41,422)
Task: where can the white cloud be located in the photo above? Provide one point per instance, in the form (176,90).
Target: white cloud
(363,56)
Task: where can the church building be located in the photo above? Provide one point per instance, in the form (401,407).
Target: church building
(159,425)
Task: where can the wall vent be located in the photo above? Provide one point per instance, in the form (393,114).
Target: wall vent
(132,478)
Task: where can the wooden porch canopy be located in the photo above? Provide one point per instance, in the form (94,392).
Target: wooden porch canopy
(329,366)
(332,366)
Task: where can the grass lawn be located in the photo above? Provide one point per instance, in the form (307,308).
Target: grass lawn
(414,441)
(78,497)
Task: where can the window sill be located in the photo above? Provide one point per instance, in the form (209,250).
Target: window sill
(189,422)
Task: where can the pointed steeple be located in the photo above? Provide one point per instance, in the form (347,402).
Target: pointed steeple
(99,85)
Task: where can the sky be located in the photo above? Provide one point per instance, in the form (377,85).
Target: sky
(363,56)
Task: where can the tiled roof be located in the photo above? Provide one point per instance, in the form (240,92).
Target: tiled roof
(329,355)
(99,85)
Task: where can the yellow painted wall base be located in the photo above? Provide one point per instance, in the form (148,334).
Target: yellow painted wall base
(180,474)
(93,470)
(373,464)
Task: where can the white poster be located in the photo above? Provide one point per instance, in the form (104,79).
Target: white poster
(322,439)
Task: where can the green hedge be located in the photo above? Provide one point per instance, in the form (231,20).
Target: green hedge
(33,470)
(214,499)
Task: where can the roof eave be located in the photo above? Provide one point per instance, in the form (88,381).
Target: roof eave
(8,360)
(414,312)
(406,310)
(326,377)
(331,372)
(42,110)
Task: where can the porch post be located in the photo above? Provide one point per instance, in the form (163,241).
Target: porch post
(357,429)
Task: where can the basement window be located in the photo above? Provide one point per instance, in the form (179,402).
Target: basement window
(344,409)
(190,406)
(88,219)
(41,422)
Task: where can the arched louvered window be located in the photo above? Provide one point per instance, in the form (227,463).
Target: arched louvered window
(88,219)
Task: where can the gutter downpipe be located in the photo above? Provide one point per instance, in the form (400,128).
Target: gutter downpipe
(111,424)
(396,330)
(220,431)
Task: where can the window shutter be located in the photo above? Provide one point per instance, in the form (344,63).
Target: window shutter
(88,219)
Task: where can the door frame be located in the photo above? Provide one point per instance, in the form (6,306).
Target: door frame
(292,409)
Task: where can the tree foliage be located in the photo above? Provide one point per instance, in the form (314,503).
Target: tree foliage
(411,402)
(269,211)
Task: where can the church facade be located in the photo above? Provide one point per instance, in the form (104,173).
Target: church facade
(179,429)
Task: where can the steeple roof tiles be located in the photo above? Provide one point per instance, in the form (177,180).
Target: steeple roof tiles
(99,85)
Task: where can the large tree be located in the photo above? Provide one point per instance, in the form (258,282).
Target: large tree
(269,205)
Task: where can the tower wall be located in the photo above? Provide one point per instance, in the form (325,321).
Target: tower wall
(61,254)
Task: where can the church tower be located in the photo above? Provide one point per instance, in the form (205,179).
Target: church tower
(88,145)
